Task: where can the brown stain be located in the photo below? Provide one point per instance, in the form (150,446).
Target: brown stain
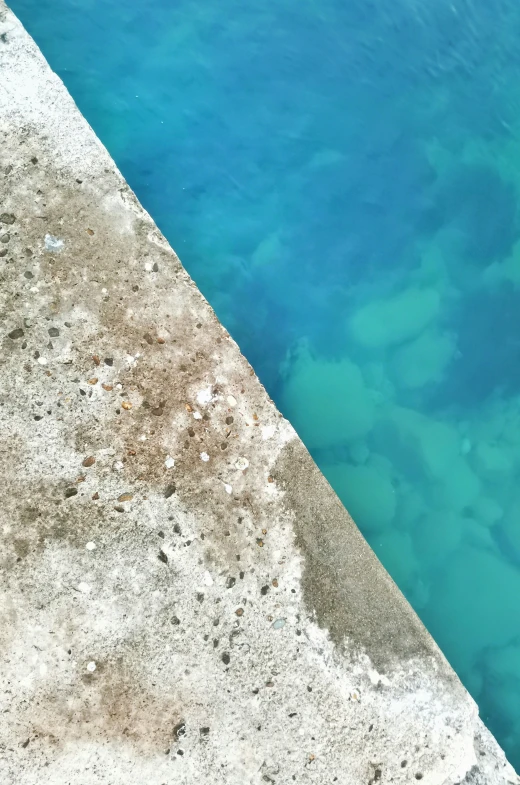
(118,326)
(50,517)
(112,703)
(107,705)
(164,378)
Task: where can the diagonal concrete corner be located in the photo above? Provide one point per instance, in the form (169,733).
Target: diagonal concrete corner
(183,597)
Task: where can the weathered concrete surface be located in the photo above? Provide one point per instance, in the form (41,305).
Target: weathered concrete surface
(183,598)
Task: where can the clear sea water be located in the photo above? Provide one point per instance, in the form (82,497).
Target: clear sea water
(342,180)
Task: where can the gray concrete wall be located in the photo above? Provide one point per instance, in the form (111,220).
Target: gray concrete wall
(183,597)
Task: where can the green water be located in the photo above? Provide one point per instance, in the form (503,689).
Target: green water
(342,180)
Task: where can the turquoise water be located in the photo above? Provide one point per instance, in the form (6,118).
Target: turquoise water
(342,180)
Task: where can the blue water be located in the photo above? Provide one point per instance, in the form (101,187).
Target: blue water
(342,180)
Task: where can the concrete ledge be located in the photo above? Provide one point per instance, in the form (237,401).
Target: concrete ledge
(183,597)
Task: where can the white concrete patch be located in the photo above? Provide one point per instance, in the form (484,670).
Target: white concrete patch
(53,244)
(378,678)
(205,396)
(268,431)
(84,588)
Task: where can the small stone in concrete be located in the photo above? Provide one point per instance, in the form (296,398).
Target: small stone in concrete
(17,333)
(7,218)
(69,492)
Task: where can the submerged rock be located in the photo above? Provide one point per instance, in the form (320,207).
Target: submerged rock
(424,360)
(327,402)
(436,536)
(395,320)
(465,605)
(367,493)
